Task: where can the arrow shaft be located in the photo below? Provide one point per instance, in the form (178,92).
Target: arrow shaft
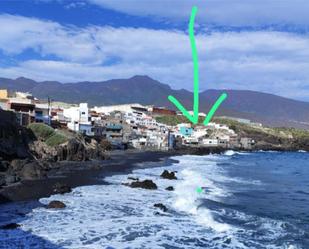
(195,65)
(194,118)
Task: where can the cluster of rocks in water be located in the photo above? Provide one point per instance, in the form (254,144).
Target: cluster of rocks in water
(146,184)
(169,175)
(149,184)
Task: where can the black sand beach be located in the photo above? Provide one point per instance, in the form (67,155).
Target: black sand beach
(75,174)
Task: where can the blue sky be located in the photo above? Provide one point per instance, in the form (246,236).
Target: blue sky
(258,45)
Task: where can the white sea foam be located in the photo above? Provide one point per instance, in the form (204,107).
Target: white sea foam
(229,153)
(121,217)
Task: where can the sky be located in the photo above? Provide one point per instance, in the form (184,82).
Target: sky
(260,45)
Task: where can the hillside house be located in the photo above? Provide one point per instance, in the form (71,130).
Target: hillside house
(246,143)
(24,109)
(79,119)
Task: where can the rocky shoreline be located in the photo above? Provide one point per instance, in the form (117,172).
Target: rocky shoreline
(70,174)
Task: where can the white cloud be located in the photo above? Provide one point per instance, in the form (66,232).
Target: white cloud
(275,62)
(47,38)
(221,12)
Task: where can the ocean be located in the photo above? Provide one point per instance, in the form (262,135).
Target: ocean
(249,200)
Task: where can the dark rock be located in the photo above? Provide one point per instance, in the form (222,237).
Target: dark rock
(170,188)
(2,180)
(146,184)
(60,188)
(32,171)
(168,175)
(76,151)
(10,226)
(17,165)
(10,179)
(13,138)
(133,178)
(4,165)
(56,204)
(161,206)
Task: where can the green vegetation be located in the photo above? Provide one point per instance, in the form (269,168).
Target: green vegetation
(295,133)
(41,131)
(281,132)
(175,120)
(56,139)
(48,134)
(171,120)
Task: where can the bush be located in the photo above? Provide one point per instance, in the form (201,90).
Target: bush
(56,139)
(41,131)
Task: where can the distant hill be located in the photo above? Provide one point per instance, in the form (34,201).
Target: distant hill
(262,107)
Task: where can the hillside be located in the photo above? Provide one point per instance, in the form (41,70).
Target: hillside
(261,107)
(266,138)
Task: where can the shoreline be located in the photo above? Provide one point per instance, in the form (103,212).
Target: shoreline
(74,174)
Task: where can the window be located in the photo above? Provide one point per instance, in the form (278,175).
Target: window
(83,113)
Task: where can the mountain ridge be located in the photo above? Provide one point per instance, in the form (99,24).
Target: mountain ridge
(261,107)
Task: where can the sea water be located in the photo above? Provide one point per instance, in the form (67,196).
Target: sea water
(249,200)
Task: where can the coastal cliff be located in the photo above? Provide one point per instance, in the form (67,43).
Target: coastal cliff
(30,153)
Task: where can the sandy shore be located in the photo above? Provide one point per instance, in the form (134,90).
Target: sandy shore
(75,174)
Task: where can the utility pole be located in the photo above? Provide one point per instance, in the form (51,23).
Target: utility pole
(49,101)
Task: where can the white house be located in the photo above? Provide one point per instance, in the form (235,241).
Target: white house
(122,108)
(79,119)
(210,142)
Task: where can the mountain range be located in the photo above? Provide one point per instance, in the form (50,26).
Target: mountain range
(261,107)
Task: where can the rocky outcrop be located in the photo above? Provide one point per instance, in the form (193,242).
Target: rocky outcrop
(76,149)
(161,206)
(32,171)
(168,175)
(146,184)
(10,226)
(56,204)
(25,154)
(14,139)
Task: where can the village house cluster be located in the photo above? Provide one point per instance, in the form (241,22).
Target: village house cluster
(127,125)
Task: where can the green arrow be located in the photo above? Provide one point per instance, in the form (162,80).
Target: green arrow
(194,118)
